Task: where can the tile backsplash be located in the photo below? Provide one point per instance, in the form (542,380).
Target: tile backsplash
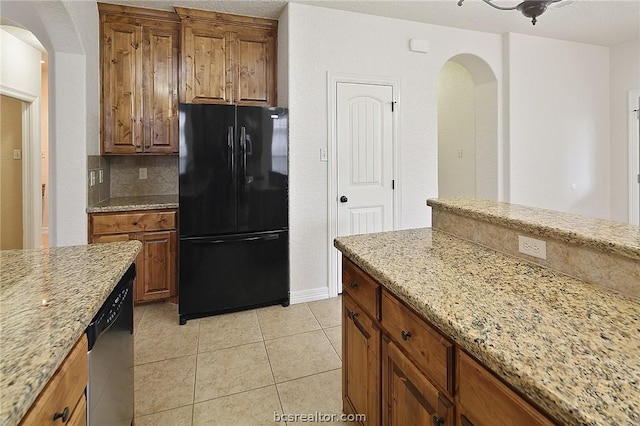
(161,172)
(100,191)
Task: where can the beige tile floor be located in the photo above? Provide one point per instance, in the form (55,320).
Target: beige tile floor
(239,368)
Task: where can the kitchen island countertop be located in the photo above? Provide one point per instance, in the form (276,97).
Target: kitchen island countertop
(572,347)
(147,202)
(47,299)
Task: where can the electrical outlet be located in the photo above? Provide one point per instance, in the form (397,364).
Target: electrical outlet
(459,153)
(92,178)
(100,176)
(142,172)
(532,247)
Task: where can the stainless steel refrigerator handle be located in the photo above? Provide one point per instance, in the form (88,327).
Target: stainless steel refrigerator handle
(230,148)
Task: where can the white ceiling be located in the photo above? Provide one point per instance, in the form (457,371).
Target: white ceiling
(601,22)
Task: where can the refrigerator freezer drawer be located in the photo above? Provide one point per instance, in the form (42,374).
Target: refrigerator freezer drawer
(233,272)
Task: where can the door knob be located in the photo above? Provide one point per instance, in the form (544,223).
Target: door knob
(343,199)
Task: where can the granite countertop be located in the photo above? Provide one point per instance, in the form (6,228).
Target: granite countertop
(47,299)
(609,236)
(123,204)
(572,347)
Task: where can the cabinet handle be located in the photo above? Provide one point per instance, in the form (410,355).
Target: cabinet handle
(438,421)
(64,415)
(354,285)
(352,315)
(406,335)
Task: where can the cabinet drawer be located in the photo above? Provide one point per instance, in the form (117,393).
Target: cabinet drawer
(432,352)
(64,390)
(364,290)
(133,222)
(484,399)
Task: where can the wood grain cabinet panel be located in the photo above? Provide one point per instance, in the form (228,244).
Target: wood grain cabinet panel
(121,99)
(432,352)
(360,362)
(408,397)
(485,401)
(62,396)
(227,59)
(156,264)
(139,54)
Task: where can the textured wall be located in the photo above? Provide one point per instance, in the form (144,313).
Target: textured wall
(559,125)
(625,76)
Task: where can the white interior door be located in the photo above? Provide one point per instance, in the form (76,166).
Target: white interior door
(365,183)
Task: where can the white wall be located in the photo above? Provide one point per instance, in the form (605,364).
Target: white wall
(324,40)
(456,131)
(625,76)
(559,124)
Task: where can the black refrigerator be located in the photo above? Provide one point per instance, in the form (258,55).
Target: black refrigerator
(234,226)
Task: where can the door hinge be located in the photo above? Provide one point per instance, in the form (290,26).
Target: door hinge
(393,106)
(393,184)
(638,178)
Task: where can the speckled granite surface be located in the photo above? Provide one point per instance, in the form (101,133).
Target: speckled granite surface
(605,235)
(36,336)
(123,204)
(572,347)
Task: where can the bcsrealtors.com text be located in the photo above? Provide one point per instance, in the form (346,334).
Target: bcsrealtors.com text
(318,417)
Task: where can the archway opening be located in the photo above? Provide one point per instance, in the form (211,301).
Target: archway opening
(468,129)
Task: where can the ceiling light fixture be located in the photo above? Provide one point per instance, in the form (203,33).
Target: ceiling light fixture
(529,8)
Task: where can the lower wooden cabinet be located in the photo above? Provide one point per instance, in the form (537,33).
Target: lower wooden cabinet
(360,362)
(483,399)
(63,399)
(156,264)
(408,397)
(400,371)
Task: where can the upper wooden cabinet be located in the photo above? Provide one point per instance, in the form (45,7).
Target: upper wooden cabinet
(139,56)
(227,59)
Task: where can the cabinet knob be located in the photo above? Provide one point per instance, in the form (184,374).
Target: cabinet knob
(135,223)
(438,421)
(406,335)
(64,415)
(354,285)
(352,315)
(138,146)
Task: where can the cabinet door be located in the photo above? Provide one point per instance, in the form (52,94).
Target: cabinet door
(360,362)
(253,54)
(156,279)
(160,88)
(112,238)
(408,398)
(121,88)
(483,399)
(206,70)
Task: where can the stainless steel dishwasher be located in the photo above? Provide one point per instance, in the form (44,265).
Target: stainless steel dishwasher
(110,336)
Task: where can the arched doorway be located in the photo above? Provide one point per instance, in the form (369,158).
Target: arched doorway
(468,152)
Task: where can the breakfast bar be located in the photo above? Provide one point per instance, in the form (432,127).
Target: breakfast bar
(569,347)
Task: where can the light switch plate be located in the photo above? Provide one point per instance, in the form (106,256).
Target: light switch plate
(142,172)
(92,178)
(100,176)
(17,154)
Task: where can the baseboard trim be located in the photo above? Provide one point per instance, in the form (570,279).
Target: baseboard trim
(310,295)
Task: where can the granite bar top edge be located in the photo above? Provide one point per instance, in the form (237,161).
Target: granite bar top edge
(124,204)
(609,236)
(565,405)
(31,351)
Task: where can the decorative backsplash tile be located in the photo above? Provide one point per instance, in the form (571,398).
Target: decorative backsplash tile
(99,191)
(162,175)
